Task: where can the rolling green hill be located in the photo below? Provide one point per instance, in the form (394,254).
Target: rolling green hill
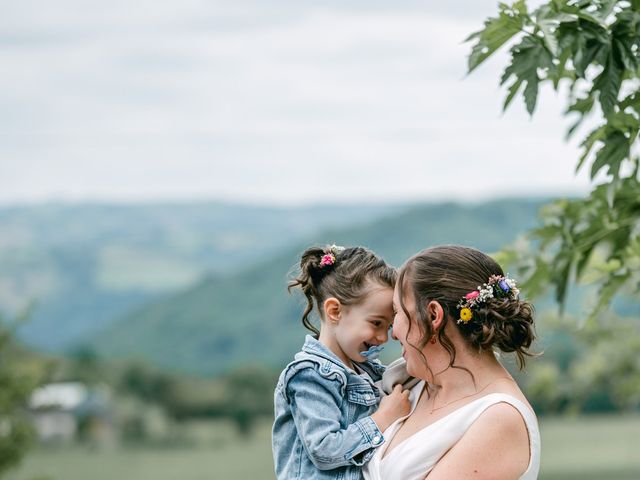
(236,319)
(86,265)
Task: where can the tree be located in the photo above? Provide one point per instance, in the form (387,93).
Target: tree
(590,50)
(249,396)
(17,381)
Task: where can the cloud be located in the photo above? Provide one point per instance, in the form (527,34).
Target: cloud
(269,102)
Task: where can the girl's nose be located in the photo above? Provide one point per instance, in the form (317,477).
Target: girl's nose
(383,336)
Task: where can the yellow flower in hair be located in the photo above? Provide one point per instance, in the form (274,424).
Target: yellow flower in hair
(466,314)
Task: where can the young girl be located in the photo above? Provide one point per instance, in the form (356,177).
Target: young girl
(327,424)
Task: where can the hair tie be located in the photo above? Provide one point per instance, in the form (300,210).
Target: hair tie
(330,254)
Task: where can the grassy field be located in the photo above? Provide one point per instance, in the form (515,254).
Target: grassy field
(585,448)
(590,448)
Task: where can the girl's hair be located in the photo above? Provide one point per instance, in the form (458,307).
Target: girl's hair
(346,279)
(446,274)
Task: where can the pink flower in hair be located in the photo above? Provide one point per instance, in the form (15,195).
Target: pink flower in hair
(472,295)
(327,259)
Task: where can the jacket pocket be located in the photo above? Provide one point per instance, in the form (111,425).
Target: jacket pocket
(362,396)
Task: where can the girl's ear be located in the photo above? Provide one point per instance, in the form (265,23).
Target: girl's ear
(436,314)
(332,309)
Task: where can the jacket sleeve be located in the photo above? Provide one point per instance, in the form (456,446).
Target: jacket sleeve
(315,407)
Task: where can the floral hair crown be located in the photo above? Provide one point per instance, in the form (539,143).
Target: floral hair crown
(497,287)
(330,254)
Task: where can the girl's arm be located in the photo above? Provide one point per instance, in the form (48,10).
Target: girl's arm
(496,447)
(315,407)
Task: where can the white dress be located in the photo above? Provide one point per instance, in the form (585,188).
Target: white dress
(416,456)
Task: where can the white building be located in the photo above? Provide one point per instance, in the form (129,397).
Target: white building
(58,409)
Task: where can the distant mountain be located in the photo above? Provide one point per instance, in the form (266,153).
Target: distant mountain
(87,265)
(235,319)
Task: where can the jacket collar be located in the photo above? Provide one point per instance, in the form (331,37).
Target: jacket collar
(315,347)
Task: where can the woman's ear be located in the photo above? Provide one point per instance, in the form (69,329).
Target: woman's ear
(331,308)
(436,314)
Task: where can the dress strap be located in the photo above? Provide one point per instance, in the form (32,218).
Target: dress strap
(531,423)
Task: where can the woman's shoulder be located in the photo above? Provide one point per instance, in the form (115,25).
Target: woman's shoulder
(504,414)
(507,419)
(507,424)
(506,400)
(504,428)
(507,387)
(495,445)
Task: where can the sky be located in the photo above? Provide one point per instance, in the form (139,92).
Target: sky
(281,102)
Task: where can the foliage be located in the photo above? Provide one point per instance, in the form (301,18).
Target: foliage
(249,396)
(590,369)
(589,49)
(243,395)
(17,380)
(609,363)
(84,366)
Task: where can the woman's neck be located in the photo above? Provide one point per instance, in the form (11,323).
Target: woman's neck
(483,367)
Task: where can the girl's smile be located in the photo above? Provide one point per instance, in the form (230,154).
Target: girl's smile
(358,328)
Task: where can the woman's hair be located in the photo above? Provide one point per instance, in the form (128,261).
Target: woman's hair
(345,279)
(446,274)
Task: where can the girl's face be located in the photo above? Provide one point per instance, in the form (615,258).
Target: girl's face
(365,324)
(407,331)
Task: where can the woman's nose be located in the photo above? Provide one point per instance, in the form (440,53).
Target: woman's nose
(393,333)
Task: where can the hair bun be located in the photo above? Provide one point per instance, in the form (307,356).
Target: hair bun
(506,324)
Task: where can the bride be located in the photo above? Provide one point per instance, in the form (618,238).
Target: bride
(454,307)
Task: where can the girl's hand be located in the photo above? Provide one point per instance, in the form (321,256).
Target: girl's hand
(392,407)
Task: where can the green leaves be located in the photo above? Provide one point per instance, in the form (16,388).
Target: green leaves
(611,155)
(593,46)
(617,137)
(17,381)
(497,31)
(624,56)
(608,290)
(593,240)
(582,106)
(525,60)
(608,83)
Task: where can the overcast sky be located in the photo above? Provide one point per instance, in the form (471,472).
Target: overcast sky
(264,101)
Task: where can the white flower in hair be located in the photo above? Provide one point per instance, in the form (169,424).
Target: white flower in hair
(336,249)
(498,286)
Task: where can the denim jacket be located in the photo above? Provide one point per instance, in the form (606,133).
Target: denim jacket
(323,428)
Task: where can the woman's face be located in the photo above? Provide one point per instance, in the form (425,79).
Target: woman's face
(407,331)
